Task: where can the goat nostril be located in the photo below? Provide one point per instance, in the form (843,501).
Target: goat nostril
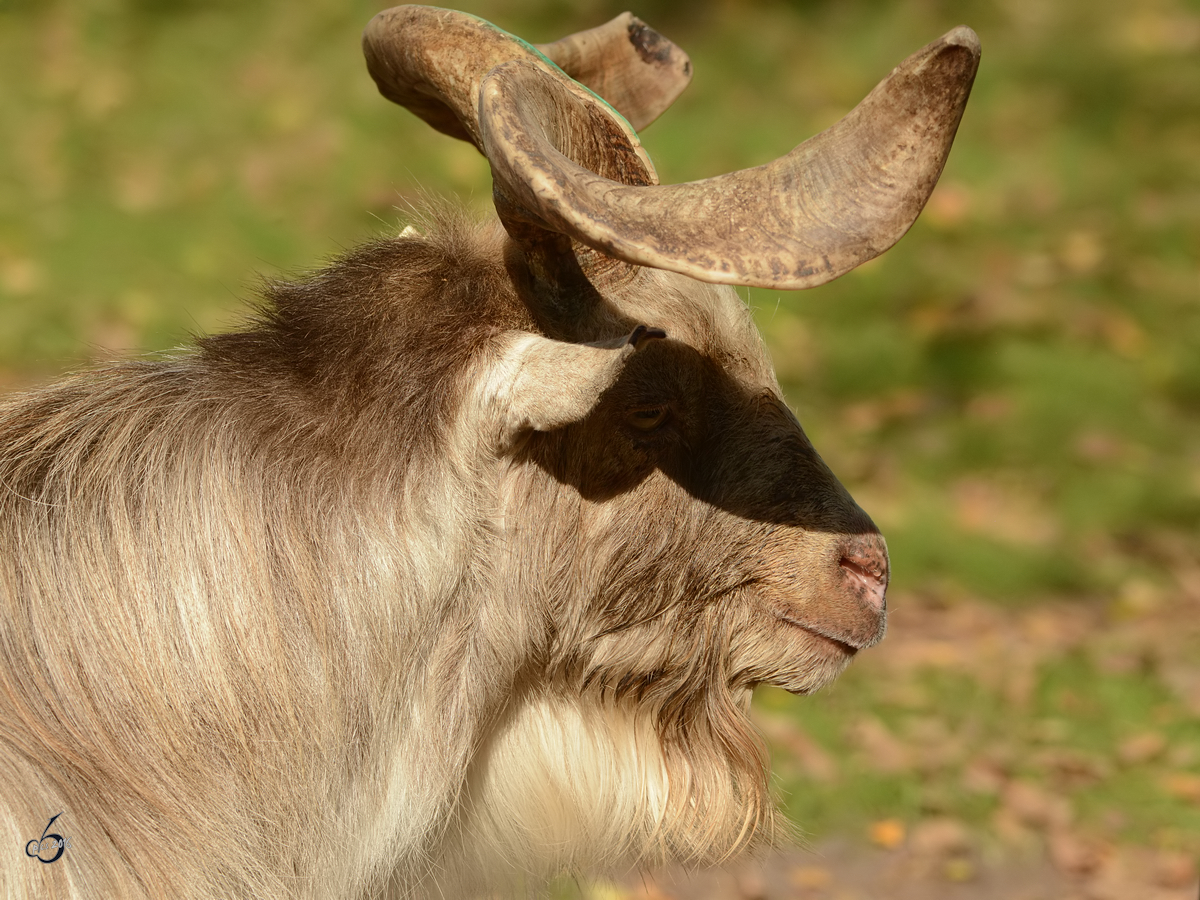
(870,575)
(862,567)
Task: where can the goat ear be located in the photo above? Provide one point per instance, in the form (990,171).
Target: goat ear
(541,384)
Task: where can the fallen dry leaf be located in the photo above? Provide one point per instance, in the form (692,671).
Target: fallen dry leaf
(887,833)
(984,776)
(1142,748)
(815,762)
(1137,872)
(1184,756)
(1174,870)
(1183,677)
(959,870)
(1003,511)
(940,837)
(1182,785)
(949,205)
(1074,854)
(884,751)
(1069,769)
(1012,831)
(1034,807)
(811,878)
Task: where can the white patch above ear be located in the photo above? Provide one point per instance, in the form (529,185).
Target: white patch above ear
(540,384)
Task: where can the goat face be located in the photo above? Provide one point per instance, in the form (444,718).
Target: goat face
(687,515)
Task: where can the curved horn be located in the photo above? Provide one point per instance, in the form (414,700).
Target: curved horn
(838,200)
(432,61)
(633,67)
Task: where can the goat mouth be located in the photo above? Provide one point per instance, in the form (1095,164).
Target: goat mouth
(840,644)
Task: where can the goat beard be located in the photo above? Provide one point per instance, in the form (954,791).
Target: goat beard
(594,783)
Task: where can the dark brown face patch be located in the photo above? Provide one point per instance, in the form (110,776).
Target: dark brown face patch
(730,445)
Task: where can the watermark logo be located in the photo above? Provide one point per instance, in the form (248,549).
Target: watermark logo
(47,843)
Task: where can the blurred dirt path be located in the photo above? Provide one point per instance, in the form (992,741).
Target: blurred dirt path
(844,871)
(841,870)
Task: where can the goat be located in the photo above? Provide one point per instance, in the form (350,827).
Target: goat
(460,564)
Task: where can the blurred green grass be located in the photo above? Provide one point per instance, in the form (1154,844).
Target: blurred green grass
(1012,392)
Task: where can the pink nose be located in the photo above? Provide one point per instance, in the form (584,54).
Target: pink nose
(865,562)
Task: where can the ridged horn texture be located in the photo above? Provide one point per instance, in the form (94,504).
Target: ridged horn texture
(836,201)
(563,162)
(432,61)
(633,67)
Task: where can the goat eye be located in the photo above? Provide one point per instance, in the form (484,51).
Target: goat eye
(648,418)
